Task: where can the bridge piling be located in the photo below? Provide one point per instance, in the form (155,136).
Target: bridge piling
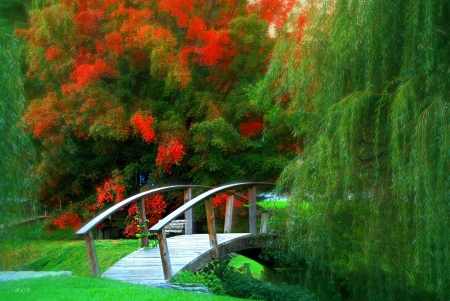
(143,223)
(92,254)
(165,258)
(252,210)
(188,213)
(229,214)
(211,227)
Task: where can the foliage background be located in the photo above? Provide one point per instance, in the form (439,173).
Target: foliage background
(368,87)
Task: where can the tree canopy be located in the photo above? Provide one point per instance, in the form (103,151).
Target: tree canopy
(368,89)
(128,93)
(18,197)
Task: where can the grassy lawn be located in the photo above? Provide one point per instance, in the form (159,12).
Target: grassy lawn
(91,288)
(62,255)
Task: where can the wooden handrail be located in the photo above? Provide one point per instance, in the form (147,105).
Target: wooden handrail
(159,227)
(98,219)
(200,198)
(86,231)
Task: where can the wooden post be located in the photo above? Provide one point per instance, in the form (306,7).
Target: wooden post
(92,254)
(143,223)
(252,210)
(164,251)
(188,214)
(264,221)
(211,227)
(229,214)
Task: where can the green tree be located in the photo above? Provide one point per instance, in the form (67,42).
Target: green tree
(18,191)
(369,87)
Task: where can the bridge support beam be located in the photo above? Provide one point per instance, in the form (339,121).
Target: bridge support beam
(92,254)
(188,213)
(143,223)
(229,214)
(252,210)
(164,252)
(211,227)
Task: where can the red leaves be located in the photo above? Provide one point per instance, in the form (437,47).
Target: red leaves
(114,43)
(275,12)
(88,22)
(197,28)
(215,46)
(85,74)
(52,54)
(180,9)
(170,155)
(111,190)
(42,116)
(220,204)
(68,220)
(154,208)
(252,128)
(144,125)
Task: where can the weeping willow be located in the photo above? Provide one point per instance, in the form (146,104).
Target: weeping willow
(369,85)
(16,152)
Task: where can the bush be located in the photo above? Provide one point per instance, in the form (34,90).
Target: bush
(208,279)
(220,278)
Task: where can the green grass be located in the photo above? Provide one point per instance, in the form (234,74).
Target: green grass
(91,288)
(61,251)
(239,261)
(273,204)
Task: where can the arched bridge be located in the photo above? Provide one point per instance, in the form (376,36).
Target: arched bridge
(182,252)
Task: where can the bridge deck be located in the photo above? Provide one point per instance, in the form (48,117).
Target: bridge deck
(145,267)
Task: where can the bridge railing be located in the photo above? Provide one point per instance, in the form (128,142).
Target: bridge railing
(86,230)
(206,197)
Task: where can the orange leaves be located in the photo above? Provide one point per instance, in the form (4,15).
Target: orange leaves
(42,115)
(169,155)
(251,128)
(144,125)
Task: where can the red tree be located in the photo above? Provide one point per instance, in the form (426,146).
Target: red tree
(147,88)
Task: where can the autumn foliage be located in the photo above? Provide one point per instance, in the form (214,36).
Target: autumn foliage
(126,93)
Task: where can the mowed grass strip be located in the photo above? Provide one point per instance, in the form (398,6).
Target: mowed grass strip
(62,255)
(92,288)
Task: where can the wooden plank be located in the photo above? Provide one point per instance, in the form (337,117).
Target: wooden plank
(143,223)
(252,210)
(229,214)
(164,251)
(144,266)
(211,227)
(92,254)
(188,213)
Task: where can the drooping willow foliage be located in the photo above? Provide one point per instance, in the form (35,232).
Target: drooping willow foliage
(369,89)
(16,151)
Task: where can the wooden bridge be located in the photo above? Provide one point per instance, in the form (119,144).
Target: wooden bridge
(182,252)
